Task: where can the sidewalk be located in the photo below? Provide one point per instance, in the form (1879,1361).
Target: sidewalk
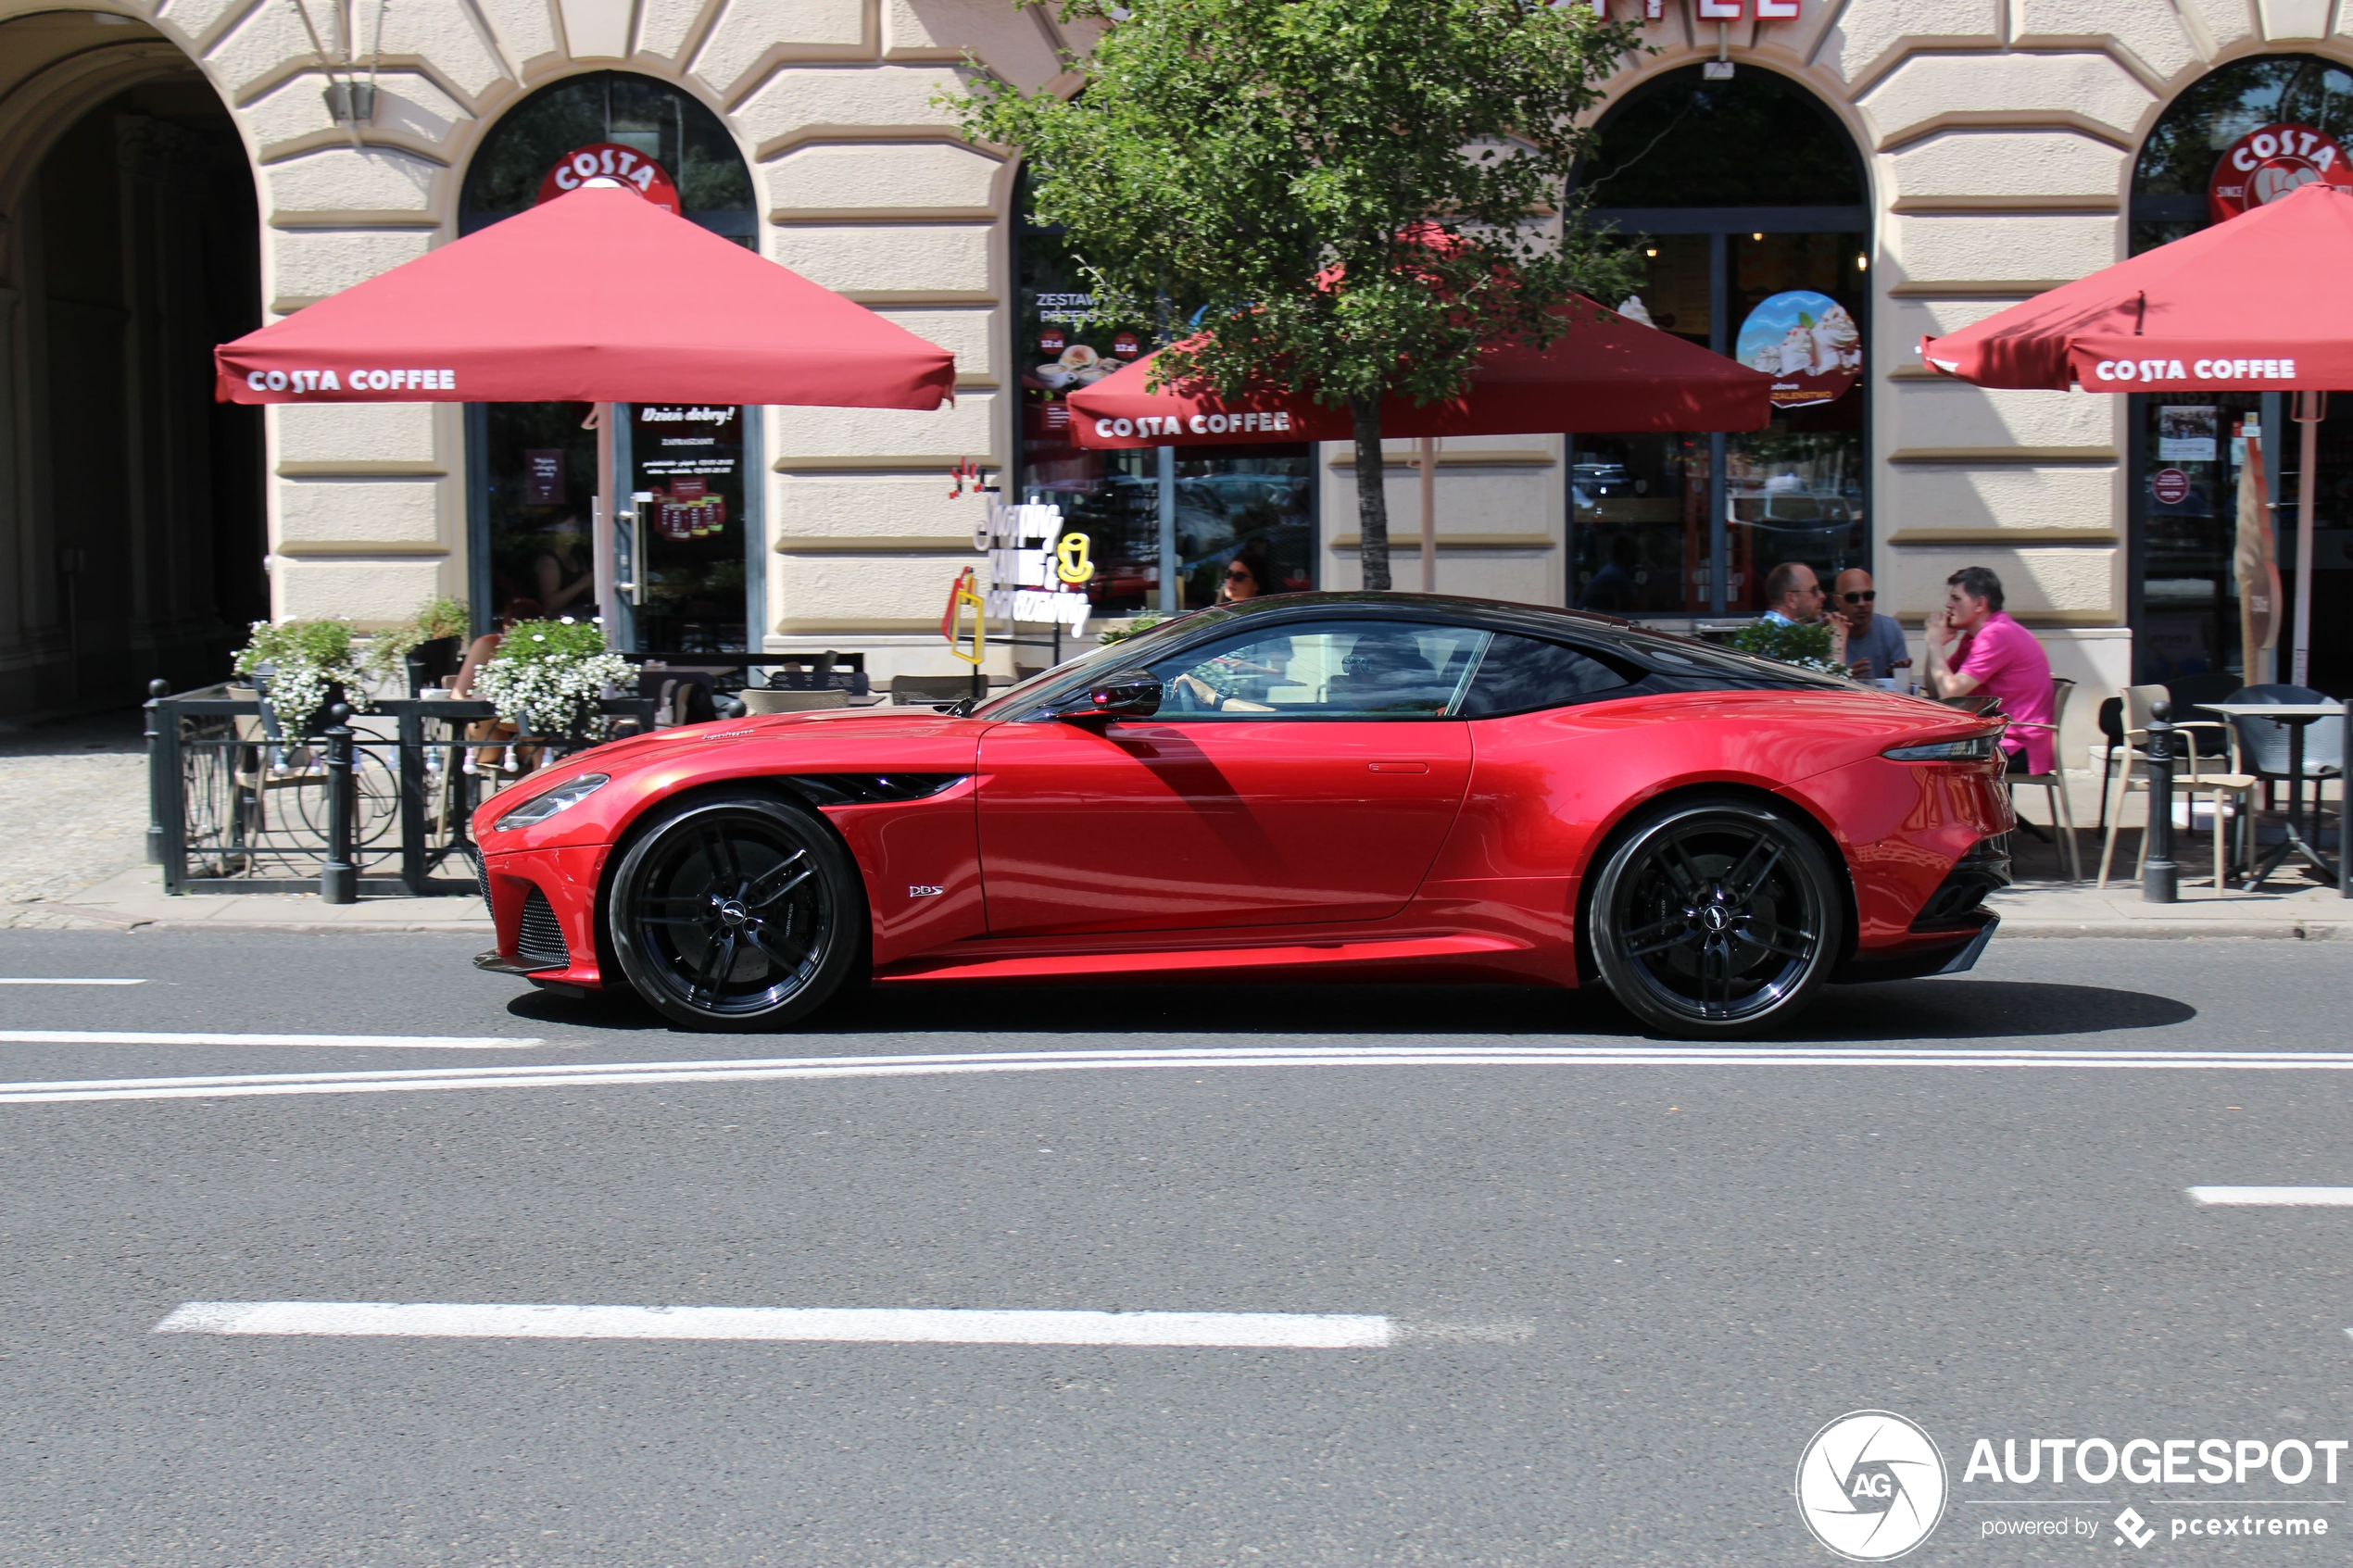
(134,900)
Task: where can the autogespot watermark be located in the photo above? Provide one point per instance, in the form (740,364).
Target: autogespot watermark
(1872,1484)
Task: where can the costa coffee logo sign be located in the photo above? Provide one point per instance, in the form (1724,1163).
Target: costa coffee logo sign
(610,163)
(2265,165)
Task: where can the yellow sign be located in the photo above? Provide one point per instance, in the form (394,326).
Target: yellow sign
(1071,563)
(964,595)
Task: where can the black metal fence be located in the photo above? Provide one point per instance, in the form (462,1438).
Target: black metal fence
(235,808)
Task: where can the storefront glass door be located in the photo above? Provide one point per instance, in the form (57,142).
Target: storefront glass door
(1748,199)
(2183,492)
(532,466)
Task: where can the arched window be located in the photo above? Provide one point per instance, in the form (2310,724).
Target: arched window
(1753,204)
(2186,450)
(662,123)
(532,466)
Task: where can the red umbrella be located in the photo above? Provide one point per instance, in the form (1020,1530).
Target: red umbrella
(2256,304)
(1605,373)
(598,296)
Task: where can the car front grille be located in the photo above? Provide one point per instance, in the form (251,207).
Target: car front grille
(482,879)
(541,938)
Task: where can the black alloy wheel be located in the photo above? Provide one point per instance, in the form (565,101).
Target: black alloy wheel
(1715,917)
(737,911)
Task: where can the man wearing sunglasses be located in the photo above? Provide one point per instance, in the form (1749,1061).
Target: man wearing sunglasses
(1875,649)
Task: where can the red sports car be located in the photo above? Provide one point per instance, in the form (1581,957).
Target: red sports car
(1357,787)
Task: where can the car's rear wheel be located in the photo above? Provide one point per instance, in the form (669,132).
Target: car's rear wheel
(1715,917)
(738,911)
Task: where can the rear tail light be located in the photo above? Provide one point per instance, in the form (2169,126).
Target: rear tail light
(1977,748)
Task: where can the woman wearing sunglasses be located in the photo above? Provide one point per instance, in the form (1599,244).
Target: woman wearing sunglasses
(1248,575)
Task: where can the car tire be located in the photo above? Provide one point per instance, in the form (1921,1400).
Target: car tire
(1715,917)
(737,911)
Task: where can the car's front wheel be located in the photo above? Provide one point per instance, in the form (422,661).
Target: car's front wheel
(1715,917)
(737,911)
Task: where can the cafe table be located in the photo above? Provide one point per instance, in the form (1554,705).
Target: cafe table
(2298,717)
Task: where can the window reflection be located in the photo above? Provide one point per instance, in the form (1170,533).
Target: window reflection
(1229,499)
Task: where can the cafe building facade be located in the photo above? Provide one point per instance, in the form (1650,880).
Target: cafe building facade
(1815,185)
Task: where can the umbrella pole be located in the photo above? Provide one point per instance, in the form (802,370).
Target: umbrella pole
(2310,409)
(602,414)
(1430,514)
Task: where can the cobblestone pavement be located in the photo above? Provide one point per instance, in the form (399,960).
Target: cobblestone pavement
(75,798)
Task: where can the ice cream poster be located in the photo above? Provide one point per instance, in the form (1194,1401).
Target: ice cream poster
(1806,342)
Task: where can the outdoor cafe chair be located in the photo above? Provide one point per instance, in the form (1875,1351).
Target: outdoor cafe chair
(2054,782)
(2188,777)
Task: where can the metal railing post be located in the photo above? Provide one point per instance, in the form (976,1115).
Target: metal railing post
(169,784)
(2160,878)
(161,799)
(411,733)
(339,879)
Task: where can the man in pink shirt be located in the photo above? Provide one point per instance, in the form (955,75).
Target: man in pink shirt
(1973,647)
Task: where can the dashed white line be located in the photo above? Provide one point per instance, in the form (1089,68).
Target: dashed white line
(368,1042)
(20,980)
(433,1320)
(588,1075)
(2277,1198)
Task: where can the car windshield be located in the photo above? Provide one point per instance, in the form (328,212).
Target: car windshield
(1137,649)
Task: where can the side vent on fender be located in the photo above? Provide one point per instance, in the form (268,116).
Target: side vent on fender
(871,789)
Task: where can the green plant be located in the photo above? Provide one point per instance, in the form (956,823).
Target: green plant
(304,661)
(1340,194)
(388,649)
(1806,645)
(552,673)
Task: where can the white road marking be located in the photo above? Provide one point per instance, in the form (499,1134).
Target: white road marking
(2277,1198)
(372,1042)
(8,981)
(433,1320)
(588,1075)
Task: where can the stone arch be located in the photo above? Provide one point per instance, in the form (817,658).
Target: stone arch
(132,506)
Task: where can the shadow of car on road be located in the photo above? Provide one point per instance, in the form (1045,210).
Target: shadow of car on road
(1954,1009)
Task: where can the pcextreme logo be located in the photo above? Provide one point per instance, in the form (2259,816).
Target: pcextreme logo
(1872,1486)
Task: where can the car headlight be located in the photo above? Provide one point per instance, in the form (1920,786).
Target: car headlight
(1974,749)
(540,808)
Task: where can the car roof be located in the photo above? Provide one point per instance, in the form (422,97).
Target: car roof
(1664,652)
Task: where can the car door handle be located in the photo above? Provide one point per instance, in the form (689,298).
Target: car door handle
(1399,767)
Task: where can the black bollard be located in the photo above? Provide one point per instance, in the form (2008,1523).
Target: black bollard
(339,879)
(161,797)
(2160,878)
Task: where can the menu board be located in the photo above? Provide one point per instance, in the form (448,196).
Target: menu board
(689,459)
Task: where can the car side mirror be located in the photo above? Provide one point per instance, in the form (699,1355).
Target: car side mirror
(1126,694)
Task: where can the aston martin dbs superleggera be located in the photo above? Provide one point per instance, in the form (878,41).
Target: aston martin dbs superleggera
(1350,787)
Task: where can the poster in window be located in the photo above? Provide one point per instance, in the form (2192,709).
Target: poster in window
(2188,433)
(1807,343)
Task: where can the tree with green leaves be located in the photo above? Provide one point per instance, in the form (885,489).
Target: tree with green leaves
(1345,198)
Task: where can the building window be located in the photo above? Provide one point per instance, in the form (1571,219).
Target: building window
(1229,500)
(532,466)
(1750,200)
(2187,453)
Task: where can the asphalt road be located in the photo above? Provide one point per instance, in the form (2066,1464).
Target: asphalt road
(1623,1294)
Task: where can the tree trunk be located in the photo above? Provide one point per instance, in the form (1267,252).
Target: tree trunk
(1372,494)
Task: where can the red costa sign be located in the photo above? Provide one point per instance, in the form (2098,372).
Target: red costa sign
(2171,487)
(614,165)
(2265,165)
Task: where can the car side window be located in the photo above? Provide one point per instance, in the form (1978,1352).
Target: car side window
(1324,669)
(1522,674)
